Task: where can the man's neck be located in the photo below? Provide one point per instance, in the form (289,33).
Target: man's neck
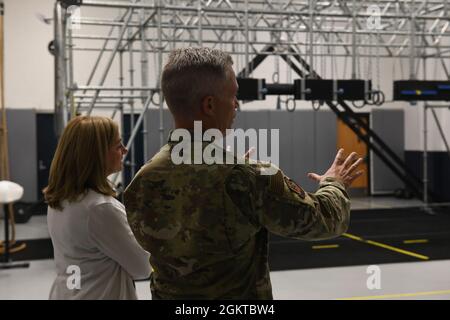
(189,125)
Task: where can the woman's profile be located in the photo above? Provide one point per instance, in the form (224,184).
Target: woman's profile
(95,252)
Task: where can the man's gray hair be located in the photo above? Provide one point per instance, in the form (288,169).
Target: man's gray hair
(192,74)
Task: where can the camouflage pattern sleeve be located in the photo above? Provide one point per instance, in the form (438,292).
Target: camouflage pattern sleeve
(134,201)
(284,208)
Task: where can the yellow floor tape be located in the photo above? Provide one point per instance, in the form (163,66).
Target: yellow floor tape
(385,246)
(400,295)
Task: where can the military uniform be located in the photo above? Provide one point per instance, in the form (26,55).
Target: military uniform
(206,226)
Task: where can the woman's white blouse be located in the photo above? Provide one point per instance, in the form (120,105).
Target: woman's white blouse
(96,254)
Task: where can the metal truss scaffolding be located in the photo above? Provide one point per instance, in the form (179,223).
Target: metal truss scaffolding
(415,31)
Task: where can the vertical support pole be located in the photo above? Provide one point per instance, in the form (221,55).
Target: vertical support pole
(6,222)
(4,160)
(425,146)
(69,59)
(199,23)
(131,150)
(121,80)
(144,76)
(412,42)
(425,155)
(445,8)
(61,117)
(247,45)
(444,66)
(311,36)
(158,80)
(122,172)
(354,48)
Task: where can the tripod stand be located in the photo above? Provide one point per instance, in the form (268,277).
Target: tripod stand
(7,263)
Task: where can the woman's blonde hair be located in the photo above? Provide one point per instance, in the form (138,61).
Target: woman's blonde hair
(79,163)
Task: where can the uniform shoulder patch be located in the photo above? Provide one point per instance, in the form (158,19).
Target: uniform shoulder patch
(294,187)
(276,183)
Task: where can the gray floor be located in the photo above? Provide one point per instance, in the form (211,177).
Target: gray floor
(36,228)
(418,280)
(359,203)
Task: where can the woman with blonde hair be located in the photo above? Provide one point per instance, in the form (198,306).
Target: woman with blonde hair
(96,254)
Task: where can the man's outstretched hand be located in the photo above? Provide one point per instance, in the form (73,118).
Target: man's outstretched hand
(342,169)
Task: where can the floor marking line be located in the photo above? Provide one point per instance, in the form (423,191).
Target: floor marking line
(351,236)
(415,241)
(328,246)
(399,295)
(388,247)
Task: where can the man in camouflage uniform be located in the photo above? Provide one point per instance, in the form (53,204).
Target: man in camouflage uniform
(206,226)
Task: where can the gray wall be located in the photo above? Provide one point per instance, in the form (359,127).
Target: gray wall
(307,143)
(23,150)
(153,142)
(390,127)
(307,138)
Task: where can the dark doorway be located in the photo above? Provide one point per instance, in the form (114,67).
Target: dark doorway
(138,146)
(46,146)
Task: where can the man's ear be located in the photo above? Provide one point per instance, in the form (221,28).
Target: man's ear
(208,105)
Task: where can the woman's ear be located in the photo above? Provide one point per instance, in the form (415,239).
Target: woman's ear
(208,105)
